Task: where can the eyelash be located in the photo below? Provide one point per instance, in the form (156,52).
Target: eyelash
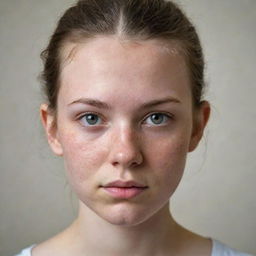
(167,117)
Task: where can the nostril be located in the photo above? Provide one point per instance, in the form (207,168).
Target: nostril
(134,164)
(115,163)
(125,153)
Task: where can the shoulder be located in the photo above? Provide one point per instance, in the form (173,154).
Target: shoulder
(56,245)
(220,249)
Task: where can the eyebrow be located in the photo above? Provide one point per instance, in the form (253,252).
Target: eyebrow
(102,105)
(91,102)
(157,102)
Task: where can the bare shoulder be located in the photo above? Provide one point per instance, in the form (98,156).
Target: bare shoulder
(48,247)
(193,244)
(57,245)
(201,246)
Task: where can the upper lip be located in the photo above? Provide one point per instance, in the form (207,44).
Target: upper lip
(124,184)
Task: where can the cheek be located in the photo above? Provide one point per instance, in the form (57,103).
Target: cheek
(81,157)
(168,151)
(167,160)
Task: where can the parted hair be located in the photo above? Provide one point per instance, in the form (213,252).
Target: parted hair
(129,19)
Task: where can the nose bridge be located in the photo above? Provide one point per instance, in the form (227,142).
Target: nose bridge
(125,146)
(126,133)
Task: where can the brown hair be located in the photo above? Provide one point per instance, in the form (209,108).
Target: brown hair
(132,19)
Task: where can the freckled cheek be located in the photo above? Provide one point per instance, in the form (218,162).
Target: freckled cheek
(82,157)
(167,159)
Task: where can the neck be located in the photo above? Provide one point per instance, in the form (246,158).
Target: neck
(95,236)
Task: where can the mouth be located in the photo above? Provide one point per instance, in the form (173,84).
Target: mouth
(124,189)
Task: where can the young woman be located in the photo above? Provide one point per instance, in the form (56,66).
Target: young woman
(124,81)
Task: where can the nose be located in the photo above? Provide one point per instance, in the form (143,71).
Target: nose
(125,151)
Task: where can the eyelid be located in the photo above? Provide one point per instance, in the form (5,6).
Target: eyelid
(159,112)
(79,116)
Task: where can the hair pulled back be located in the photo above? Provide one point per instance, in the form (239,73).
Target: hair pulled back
(132,19)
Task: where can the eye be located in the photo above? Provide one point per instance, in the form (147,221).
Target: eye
(157,119)
(90,119)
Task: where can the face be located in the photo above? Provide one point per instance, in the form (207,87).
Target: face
(124,113)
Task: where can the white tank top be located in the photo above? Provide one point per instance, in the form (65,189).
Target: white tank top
(218,249)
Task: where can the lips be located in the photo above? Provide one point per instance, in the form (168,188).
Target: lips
(125,184)
(124,189)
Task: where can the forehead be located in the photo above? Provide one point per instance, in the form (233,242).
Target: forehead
(112,48)
(107,63)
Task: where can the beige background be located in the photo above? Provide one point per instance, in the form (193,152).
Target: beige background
(217,195)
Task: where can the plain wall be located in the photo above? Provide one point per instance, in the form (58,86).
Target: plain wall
(216,197)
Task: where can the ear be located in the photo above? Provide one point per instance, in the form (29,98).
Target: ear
(201,117)
(50,127)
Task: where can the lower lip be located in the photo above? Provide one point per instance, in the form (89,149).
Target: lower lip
(124,193)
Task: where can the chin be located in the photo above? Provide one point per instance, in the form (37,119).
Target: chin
(125,215)
(124,220)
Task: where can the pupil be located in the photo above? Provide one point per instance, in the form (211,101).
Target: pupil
(91,119)
(157,118)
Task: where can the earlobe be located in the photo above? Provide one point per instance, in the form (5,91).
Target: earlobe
(48,121)
(200,121)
